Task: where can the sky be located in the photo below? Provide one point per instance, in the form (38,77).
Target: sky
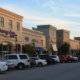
(63,14)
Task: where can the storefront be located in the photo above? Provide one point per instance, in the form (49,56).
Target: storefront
(10,32)
(34,38)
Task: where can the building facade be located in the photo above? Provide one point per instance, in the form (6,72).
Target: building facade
(13,35)
(10,32)
(33,37)
(74,46)
(50,32)
(62,37)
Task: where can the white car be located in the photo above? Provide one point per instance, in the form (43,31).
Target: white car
(75,58)
(55,57)
(3,66)
(17,60)
(39,62)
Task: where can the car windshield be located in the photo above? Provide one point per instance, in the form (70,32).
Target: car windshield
(52,56)
(43,56)
(23,56)
(35,58)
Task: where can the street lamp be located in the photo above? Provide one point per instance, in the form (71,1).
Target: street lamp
(42,42)
(16,44)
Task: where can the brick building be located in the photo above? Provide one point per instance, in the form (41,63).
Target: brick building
(62,37)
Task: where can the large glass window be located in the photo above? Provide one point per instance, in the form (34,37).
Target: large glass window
(1,21)
(18,26)
(10,24)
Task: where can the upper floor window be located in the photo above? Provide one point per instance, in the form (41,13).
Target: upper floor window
(1,21)
(27,38)
(10,24)
(53,33)
(18,26)
(66,35)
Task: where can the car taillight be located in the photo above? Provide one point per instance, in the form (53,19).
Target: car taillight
(28,60)
(11,64)
(34,62)
(6,64)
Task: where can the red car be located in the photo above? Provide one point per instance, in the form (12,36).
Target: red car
(63,58)
(70,58)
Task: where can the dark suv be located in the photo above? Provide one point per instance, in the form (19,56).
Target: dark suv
(47,58)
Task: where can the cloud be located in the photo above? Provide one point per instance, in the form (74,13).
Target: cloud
(33,20)
(30,18)
(50,4)
(72,14)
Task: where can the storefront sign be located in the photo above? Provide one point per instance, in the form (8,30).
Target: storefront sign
(6,33)
(39,41)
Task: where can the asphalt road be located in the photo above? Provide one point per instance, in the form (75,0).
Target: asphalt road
(64,71)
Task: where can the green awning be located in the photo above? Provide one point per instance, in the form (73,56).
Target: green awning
(73,51)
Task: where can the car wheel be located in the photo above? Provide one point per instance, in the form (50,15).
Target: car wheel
(20,66)
(70,61)
(40,65)
(63,61)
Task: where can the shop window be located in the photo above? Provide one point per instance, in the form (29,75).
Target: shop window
(18,47)
(1,21)
(10,24)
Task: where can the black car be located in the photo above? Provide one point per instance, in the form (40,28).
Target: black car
(47,58)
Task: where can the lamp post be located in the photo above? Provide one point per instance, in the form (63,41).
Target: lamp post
(16,44)
(42,42)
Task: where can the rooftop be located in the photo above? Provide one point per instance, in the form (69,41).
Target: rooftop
(10,13)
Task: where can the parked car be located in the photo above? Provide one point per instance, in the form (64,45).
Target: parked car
(74,58)
(78,56)
(66,58)
(56,58)
(32,62)
(39,62)
(47,58)
(62,58)
(3,66)
(19,60)
(70,58)
(10,65)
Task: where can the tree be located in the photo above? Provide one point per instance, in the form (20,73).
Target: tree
(64,49)
(30,50)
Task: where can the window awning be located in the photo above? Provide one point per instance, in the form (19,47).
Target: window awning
(39,48)
(54,47)
(45,49)
(73,51)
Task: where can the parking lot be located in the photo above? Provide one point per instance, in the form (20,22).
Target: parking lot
(62,71)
